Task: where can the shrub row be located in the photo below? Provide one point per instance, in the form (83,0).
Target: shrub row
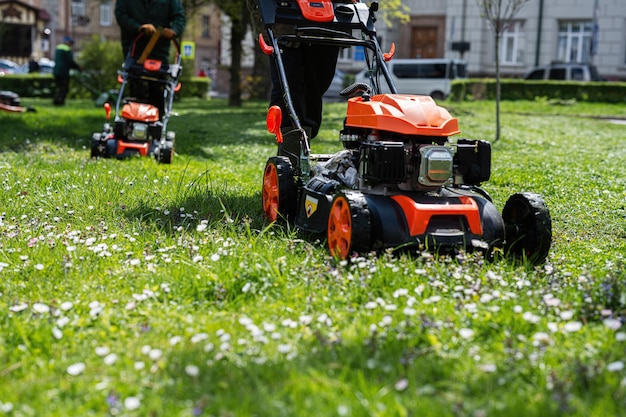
(516,89)
(43,86)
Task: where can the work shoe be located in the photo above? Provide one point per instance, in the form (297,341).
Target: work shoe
(291,144)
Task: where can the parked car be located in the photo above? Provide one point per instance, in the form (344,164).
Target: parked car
(45,66)
(8,67)
(566,71)
(429,76)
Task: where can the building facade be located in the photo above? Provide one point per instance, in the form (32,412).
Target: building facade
(543,31)
(33,28)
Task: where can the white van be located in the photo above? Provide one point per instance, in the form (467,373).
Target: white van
(432,77)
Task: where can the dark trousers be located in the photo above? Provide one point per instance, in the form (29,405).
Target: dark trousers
(148,92)
(309,70)
(62,88)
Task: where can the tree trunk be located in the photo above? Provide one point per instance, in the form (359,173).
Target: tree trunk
(497,88)
(237,33)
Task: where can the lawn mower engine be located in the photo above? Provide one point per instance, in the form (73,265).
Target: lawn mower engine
(400,183)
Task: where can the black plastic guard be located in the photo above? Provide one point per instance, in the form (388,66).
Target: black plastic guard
(314,207)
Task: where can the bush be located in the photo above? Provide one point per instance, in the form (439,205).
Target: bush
(516,89)
(100,59)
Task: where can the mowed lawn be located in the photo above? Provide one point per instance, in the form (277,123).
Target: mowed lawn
(130,288)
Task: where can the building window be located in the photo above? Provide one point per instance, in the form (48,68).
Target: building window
(574,42)
(206,27)
(356,53)
(78,8)
(512,43)
(106,15)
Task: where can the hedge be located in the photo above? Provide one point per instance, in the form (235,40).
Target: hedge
(516,89)
(42,86)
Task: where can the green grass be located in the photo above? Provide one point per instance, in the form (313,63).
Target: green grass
(132,288)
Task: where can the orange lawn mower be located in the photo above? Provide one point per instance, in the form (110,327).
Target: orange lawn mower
(138,128)
(399,181)
(10,103)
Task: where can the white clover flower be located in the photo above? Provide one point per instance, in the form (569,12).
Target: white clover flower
(6,407)
(110,359)
(192,370)
(284,348)
(139,365)
(199,337)
(488,367)
(155,354)
(409,311)
(292,324)
(541,337)
(486,298)
(620,336)
(76,369)
(197,258)
(270,327)
(343,410)
(566,315)
(215,257)
(466,333)
(67,305)
(530,317)
(612,324)
(386,321)
(616,366)
(132,403)
(371,305)
(102,351)
(62,321)
(175,340)
(401,292)
(41,308)
(57,333)
(572,326)
(18,307)
(401,384)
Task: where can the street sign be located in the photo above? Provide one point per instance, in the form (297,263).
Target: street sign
(188,49)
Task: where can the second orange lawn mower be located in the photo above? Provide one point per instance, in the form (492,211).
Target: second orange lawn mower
(138,127)
(399,182)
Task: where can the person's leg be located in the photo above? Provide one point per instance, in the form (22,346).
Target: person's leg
(292,63)
(62,88)
(319,66)
(156,98)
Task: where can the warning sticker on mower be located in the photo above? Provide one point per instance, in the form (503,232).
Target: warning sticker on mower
(310,205)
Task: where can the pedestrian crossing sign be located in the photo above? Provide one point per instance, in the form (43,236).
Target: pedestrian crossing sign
(188,49)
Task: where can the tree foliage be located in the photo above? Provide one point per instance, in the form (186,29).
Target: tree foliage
(394,11)
(100,59)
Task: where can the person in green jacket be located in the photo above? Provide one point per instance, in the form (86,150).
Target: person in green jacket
(63,63)
(145,17)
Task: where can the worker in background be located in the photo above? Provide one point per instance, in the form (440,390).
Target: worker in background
(63,63)
(146,17)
